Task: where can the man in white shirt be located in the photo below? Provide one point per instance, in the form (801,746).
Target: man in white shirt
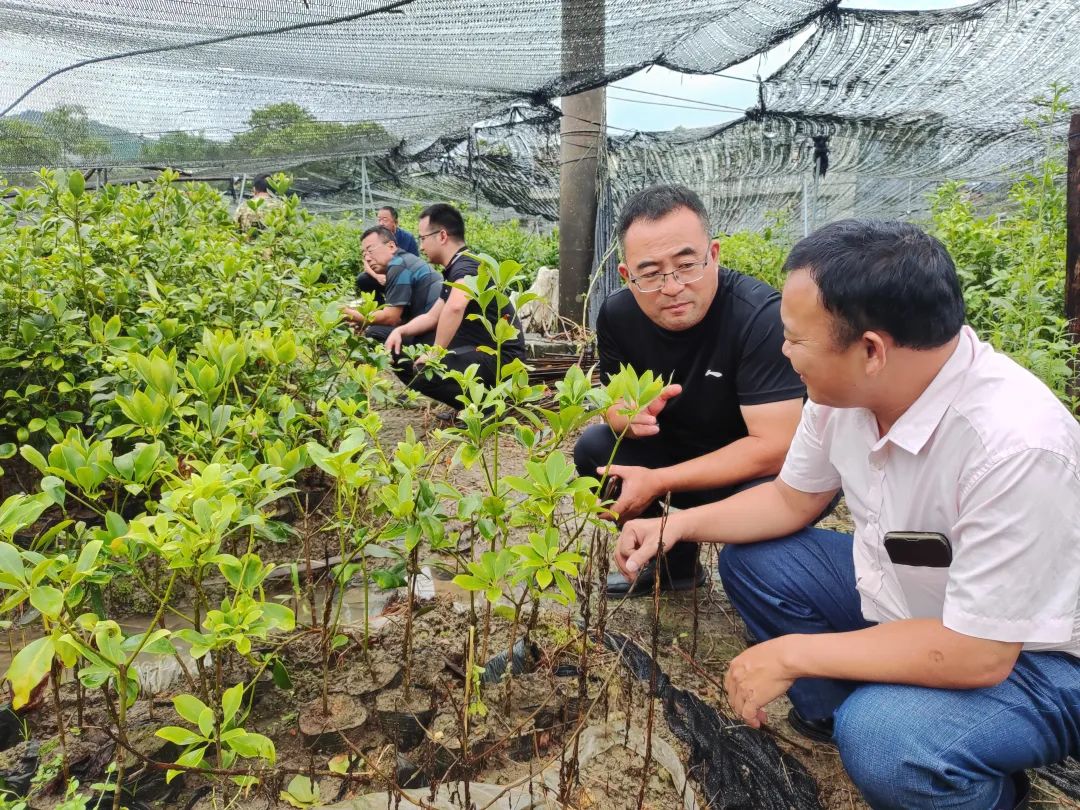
(944,663)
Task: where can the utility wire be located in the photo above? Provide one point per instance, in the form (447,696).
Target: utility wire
(673,106)
(678,98)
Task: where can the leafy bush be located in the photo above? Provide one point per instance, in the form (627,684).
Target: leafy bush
(760,255)
(1012,263)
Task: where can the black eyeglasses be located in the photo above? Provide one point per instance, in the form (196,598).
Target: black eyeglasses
(684,273)
(424,236)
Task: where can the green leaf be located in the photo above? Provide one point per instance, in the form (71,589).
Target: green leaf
(301,792)
(470,583)
(47,599)
(11,562)
(178,735)
(206,722)
(189,759)
(339,764)
(281,675)
(29,668)
(280,617)
(33,457)
(189,707)
(250,745)
(88,556)
(76,183)
(230,702)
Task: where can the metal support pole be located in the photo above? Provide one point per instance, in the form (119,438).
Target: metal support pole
(366,198)
(1072,246)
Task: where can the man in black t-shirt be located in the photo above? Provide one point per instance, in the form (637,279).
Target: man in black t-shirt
(732,403)
(442,239)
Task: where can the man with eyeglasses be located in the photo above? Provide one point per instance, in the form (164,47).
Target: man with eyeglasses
(727,416)
(412,300)
(370,279)
(442,238)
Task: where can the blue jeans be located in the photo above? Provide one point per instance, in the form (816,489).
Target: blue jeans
(905,747)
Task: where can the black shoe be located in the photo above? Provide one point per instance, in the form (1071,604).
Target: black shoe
(820,731)
(618,585)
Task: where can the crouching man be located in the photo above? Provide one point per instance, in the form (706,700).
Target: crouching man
(940,646)
(412,297)
(726,420)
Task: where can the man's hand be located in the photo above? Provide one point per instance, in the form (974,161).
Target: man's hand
(644,424)
(639,542)
(639,488)
(755,678)
(353,316)
(372,271)
(394,340)
(422,359)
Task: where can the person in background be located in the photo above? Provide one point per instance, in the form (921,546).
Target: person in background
(249,217)
(726,418)
(939,648)
(388,218)
(442,238)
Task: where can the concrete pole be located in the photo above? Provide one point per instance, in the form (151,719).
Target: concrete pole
(581,129)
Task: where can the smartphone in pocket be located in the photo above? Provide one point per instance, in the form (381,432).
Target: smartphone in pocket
(919,549)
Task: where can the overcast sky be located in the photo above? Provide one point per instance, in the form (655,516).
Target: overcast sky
(631,106)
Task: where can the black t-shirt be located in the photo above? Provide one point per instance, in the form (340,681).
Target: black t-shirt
(731,358)
(472,333)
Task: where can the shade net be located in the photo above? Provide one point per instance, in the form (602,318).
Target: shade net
(897,102)
(374,76)
(416,100)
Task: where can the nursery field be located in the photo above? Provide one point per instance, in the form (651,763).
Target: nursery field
(242,567)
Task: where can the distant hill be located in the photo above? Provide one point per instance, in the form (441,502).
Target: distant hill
(125,145)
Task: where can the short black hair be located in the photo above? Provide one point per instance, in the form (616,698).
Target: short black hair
(261,184)
(885,276)
(444,217)
(655,202)
(391,209)
(383,232)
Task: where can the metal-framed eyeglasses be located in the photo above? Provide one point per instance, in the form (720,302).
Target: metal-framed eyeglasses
(685,272)
(421,237)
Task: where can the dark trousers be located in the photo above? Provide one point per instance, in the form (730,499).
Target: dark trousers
(594,450)
(905,747)
(444,389)
(365,283)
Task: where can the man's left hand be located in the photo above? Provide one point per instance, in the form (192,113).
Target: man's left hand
(755,678)
(639,487)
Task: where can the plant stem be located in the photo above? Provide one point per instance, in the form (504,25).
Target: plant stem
(60,723)
(121,732)
(407,643)
(654,650)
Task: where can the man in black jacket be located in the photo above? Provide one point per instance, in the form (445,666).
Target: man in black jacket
(726,418)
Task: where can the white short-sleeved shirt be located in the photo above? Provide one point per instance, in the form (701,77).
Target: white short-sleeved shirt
(986,456)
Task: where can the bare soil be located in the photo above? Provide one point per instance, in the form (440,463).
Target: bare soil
(388,738)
